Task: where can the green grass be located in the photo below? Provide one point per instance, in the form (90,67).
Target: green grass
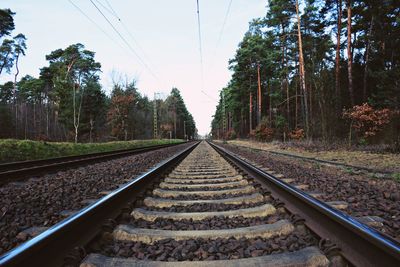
(396,176)
(17,150)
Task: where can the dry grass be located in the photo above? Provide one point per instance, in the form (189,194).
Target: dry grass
(380,161)
(18,150)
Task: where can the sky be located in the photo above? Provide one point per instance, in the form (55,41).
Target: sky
(162,42)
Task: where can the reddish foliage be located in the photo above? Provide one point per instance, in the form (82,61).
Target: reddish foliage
(118,113)
(297,134)
(166,127)
(262,132)
(252,134)
(366,120)
(230,134)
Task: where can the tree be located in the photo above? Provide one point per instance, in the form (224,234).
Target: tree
(349,54)
(372,63)
(6,22)
(6,56)
(19,49)
(74,68)
(93,107)
(302,72)
(117,116)
(337,61)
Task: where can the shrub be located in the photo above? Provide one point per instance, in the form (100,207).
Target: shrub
(231,134)
(297,134)
(264,133)
(367,121)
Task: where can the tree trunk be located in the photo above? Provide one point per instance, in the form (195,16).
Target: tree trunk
(175,123)
(259,94)
(91,129)
(366,59)
(337,67)
(296,106)
(15,95)
(302,73)
(34,120)
(251,112)
(287,102)
(26,121)
(349,53)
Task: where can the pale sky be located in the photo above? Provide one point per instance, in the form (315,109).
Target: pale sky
(165,38)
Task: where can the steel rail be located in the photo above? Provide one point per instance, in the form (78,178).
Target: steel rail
(18,170)
(50,247)
(360,244)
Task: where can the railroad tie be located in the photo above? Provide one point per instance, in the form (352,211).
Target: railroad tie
(237,191)
(309,256)
(149,236)
(259,211)
(203,181)
(166,203)
(217,186)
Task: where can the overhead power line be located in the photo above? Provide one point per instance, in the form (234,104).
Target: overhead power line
(221,31)
(108,9)
(208,95)
(224,23)
(109,5)
(92,21)
(125,41)
(112,12)
(200,46)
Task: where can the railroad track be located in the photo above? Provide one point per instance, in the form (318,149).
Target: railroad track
(209,207)
(14,171)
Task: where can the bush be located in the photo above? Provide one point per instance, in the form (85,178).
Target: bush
(264,133)
(231,134)
(367,121)
(297,134)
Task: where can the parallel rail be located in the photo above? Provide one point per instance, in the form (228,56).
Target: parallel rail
(14,171)
(360,244)
(51,247)
(323,161)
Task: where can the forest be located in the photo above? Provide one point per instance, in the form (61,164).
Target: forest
(68,103)
(316,70)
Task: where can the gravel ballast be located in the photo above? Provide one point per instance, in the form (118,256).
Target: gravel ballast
(40,200)
(214,223)
(367,196)
(202,249)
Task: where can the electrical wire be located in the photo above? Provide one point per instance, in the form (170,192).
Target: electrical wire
(224,23)
(221,32)
(125,41)
(109,5)
(200,47)
(199,30)
(111,10)
(92,21)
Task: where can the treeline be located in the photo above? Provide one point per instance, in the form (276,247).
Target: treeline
(67,102)
(326,69)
